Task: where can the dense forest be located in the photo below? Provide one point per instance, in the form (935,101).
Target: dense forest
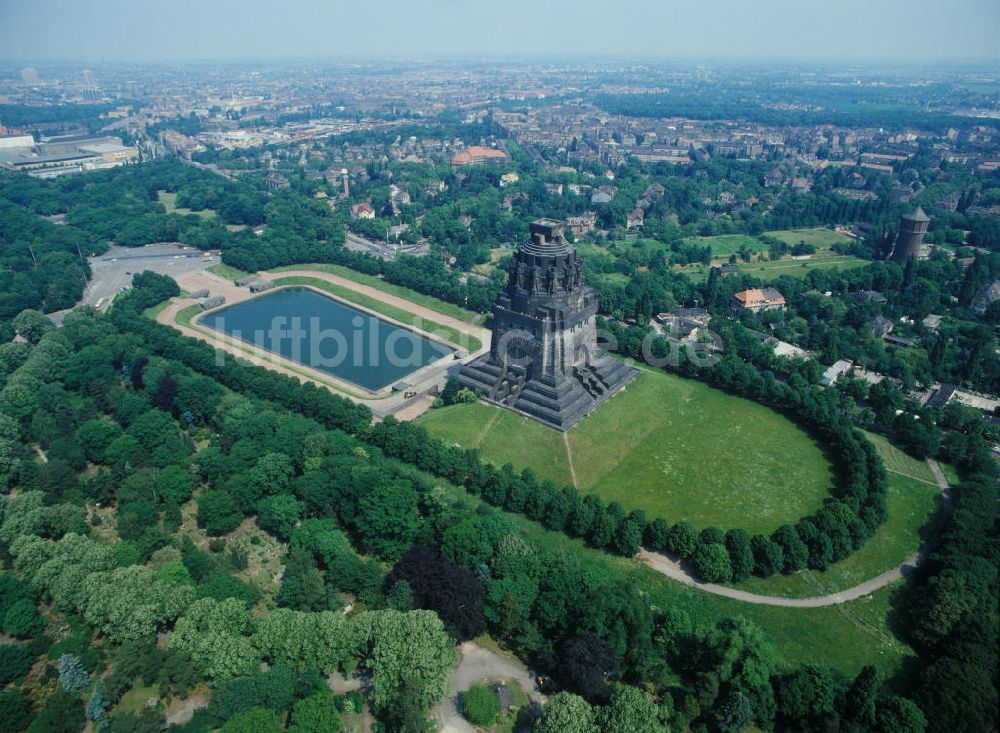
(149,442)
(42,265)
(182,532)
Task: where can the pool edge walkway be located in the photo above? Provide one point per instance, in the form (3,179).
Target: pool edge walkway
(381,407)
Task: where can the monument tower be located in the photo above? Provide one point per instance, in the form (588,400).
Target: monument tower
(544,361)
(912,228)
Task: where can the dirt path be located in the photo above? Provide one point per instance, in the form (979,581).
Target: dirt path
(569,459)
(478,664)
(181,711)
(341,685)
(486,430)
(676,571)
(914,478)
(673,570)
(939,476)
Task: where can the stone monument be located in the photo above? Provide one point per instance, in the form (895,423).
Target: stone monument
(544,361)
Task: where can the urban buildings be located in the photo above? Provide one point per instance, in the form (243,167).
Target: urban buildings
(61,155)
(363,210)
(477,155)
(757,300)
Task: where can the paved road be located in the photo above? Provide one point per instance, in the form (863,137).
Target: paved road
(357,243)
(478,665)
(676,571)
(210,167)
(386,251)
(113,270)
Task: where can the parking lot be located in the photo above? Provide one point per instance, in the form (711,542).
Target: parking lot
(113,270)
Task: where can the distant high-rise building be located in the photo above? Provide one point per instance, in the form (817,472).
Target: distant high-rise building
(88,79)
(912,228)
(347,183)
(29,75)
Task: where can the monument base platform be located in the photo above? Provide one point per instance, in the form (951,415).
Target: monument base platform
(560,401)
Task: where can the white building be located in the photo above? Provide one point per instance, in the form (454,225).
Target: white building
(839,368)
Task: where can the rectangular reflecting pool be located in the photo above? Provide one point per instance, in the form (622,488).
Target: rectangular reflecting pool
(309,328)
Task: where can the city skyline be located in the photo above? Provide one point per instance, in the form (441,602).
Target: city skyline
(107,30)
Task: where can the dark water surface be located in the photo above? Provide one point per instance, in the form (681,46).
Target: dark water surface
(311,329)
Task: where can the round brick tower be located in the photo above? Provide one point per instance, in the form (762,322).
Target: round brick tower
(912,228)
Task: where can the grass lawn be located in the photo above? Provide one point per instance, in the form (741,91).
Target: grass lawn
(227,272)
(771,269)
(724,245)
(155,310)
(673,447)
(503,436)
(135,699)
(848,637)
(800,268)
(910,504)
(169,201)
(899,462)
(487,268)
(589,250)
(821,238)
(470,343)
(185,315)
(386,287)
(506,721)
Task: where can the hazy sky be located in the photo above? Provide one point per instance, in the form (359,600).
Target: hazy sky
(43,30)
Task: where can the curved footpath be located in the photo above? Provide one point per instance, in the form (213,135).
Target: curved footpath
(675,571)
